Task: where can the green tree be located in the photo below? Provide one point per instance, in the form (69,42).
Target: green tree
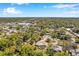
(61,53)
(39,52)
(3,43)
(2,53)
(64,37)
(10,50)
(27,50)
(35,37)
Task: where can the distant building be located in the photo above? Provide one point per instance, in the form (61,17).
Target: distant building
(25,24)
(41,44)
(57,48)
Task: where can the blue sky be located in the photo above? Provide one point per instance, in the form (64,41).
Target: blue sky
(39,10)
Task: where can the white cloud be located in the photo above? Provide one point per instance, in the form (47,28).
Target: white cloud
(20,3)
(65,5)
(23,3)
(60,6)
(11,10)
(72,12)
